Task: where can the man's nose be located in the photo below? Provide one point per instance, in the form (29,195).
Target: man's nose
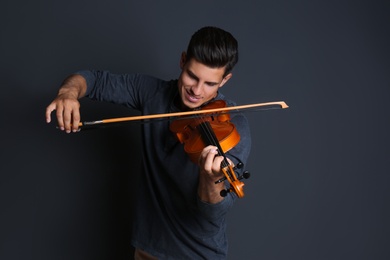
(196,89)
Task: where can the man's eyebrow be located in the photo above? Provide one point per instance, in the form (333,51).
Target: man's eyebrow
(192,74)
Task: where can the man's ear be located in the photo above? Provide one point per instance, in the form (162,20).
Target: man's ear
(225,79)
(183,59)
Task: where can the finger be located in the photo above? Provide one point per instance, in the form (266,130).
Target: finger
(205,152)
(60,120)
(208,158)
(76,120)
(67,119)
(216,167)
(49,110)
(230,162)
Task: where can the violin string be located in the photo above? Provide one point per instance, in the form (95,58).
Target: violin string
(211,138)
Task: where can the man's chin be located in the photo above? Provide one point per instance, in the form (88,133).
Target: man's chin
(191,105)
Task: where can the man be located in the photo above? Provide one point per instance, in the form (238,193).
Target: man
(180,213)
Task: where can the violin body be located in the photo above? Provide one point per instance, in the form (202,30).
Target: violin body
(211,129)
(188,131)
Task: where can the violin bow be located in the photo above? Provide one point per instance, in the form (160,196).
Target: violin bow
(279,104)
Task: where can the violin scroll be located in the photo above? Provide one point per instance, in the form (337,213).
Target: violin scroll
(235,184)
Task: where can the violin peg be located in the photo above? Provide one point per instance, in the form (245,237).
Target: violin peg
(223,193)
(220,180)
(238,166)
(245,175)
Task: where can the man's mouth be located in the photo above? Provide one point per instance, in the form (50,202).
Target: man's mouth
(192,98)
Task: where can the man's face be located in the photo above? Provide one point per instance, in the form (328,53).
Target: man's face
(199,83)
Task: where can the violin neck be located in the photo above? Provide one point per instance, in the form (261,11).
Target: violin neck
(209,138)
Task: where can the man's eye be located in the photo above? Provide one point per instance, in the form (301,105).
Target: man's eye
(192,76)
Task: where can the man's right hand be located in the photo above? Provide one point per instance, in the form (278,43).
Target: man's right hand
(67,105)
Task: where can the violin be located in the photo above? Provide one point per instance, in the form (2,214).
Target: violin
(212,129)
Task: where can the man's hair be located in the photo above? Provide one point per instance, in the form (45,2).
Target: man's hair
(213,47)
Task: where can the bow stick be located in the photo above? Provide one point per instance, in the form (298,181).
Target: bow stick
(281,104)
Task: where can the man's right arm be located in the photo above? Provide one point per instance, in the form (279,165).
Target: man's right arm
(66,103)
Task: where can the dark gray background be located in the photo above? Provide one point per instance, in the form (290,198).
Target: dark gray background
(320,169)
